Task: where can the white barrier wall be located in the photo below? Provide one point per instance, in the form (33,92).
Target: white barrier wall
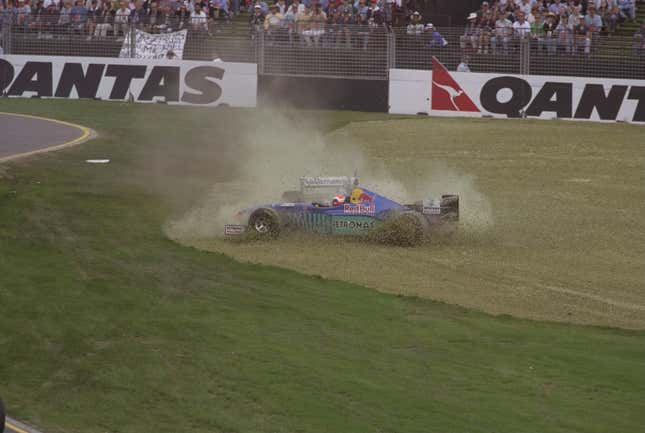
(446,93)
(173,81)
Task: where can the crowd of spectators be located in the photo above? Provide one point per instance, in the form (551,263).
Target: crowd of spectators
(552,26)
(102,18)
(566,26)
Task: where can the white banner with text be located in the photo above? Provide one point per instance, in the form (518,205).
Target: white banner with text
(182,82)
(444,93)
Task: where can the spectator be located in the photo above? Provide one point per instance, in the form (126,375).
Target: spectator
(121,18)
(503,32)
(416,26)
(486,25)
(24,14)
(362,11)
(549,34)
(256,21)
(463,66)
(594,23)
(299,6)
(169,21)
(639,40)
(104,19)
(556,7)
(627,9)
(302,23)
(183,17)
(138,15)
(317,21)
(289,21)
(483,10)
(92,13)
(153,18)
(471,33)
(521,27)
(49,21)
(273,23)
(344,31)
(282,7)
(198,20)
(37,17)
(525,6)
(263,6)
(435,40)
(65,17)
(610,16)
(582,35)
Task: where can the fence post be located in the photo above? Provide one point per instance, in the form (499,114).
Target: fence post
(133,42)
(260,49)
(525,56)
(6,37)
(391,50)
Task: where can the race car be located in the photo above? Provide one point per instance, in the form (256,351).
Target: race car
(337,205)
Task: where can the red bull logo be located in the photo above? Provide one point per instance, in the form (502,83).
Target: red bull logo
(357,209)
(359,195)
(360,202)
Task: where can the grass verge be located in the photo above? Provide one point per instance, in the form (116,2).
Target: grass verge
(106,325)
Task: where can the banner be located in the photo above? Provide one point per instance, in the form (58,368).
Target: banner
(172,81)
(445,93)
(153,46)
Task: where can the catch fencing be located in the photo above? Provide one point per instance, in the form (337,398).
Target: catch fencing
(365,52)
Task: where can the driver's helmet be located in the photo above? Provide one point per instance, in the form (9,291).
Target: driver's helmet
(338,200)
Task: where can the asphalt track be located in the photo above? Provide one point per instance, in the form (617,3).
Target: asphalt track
(23,135)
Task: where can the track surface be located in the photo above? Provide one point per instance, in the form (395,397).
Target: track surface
(25,135)
(13,426)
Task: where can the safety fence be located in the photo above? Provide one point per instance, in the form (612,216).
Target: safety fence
(347,50)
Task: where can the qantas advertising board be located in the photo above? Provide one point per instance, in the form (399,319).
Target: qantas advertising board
(172,81)
(444,93)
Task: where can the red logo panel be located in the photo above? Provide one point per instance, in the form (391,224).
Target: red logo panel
(446,93)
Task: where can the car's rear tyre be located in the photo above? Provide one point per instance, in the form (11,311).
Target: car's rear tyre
(404,229)
(264,223)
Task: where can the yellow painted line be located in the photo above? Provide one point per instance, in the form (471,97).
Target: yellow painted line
(15,427)
(85,134)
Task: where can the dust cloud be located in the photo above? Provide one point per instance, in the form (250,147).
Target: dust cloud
(269,160)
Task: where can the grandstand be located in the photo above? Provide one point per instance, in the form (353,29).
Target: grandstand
(343,40)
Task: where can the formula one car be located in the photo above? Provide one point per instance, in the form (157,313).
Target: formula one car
(338,206)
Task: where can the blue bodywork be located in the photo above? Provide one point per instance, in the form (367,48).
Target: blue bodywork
(361,212)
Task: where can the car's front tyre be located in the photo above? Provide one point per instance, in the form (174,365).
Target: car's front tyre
(265,223)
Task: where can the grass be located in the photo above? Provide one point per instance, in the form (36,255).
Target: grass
(552,225)
(106,325)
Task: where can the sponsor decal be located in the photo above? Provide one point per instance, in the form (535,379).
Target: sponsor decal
(176,82)
(324,180)
(359,195)
(352,225)
(154,46)
(446,93)
(432,210)
(234,229)
(354,209)
(557,97)
(513,96)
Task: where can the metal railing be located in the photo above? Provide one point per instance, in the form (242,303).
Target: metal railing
(345,50)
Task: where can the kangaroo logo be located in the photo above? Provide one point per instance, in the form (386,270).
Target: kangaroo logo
(446,93)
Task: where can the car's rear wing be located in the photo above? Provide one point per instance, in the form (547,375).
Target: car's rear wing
(309,182)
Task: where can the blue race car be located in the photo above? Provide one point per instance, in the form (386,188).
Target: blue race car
(338,206)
